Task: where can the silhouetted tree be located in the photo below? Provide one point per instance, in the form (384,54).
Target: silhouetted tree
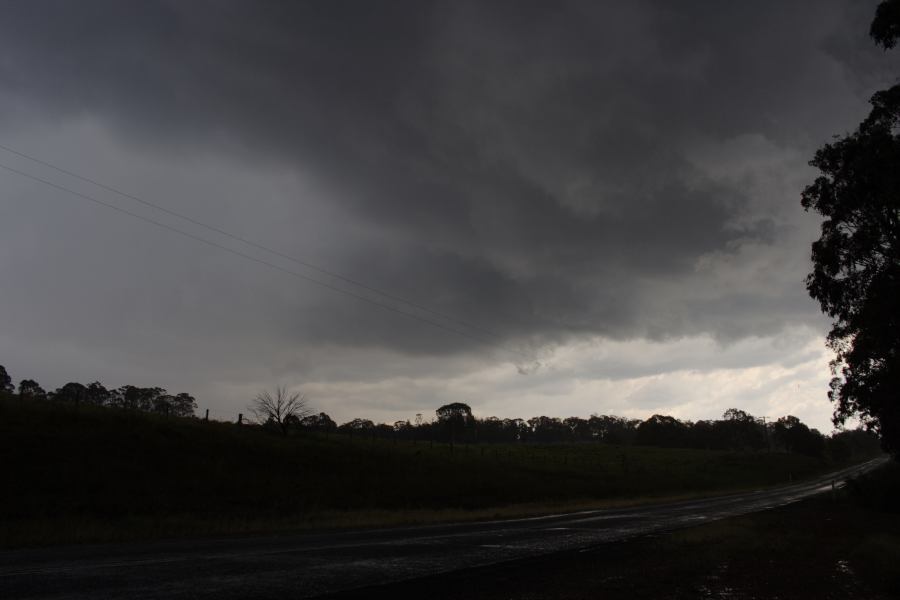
(357,426)
(402,428)
(455,418)
(547,429)
(856,261)
(383,430)
(793,435)
(29,388)
(885,28)
(490,429)
(320,422)
(742,430)
(663,431)
(183,405)
(70,393)
(280,409)
(610,429)
(161,404)
(454,410)
(579,429)
(494,429)
(6,384)
(517,429)
(152,399)
(852,442)
(97,395)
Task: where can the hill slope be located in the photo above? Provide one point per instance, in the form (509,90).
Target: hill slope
(104,474)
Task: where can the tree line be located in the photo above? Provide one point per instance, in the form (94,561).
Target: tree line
(737,430)
(152,399)
(454,423)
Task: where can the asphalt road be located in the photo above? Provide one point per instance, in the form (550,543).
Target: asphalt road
(304,566)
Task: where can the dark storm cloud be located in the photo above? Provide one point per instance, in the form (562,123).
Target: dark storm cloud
(527,163)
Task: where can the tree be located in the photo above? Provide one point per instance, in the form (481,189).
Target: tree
(72,392)
(454,410)
(29,388)
(279,410)
(455,418)
(494,429)
(579,429)
(97,394)
(856,261)
(320,422)
(663,431)
(547,429)
(792,435)
(490,429)
(133,398)
(361,426)
(182,405)
(5,381)
(742,430)
(613,430)
(886,26)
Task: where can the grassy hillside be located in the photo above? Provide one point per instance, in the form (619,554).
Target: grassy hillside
(102,474)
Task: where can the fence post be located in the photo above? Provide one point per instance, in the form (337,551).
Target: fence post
(240,418)
(206,418)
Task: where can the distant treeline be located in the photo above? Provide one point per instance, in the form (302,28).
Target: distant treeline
(737,430)
(154,400)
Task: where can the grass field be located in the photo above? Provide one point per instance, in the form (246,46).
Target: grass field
(89,474)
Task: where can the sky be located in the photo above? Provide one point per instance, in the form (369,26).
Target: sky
(535,208)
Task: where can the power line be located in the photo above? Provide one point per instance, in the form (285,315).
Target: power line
(253,244)
(255,259)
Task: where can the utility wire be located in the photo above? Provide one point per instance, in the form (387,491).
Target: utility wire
(271,265)
(253,244)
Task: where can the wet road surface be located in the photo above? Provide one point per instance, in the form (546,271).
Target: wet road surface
(307,565)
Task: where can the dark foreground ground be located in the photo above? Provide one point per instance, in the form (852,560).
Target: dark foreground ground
(90,474)
(575,555)
(842,547)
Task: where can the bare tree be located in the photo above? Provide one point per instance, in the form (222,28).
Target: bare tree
(281,409)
